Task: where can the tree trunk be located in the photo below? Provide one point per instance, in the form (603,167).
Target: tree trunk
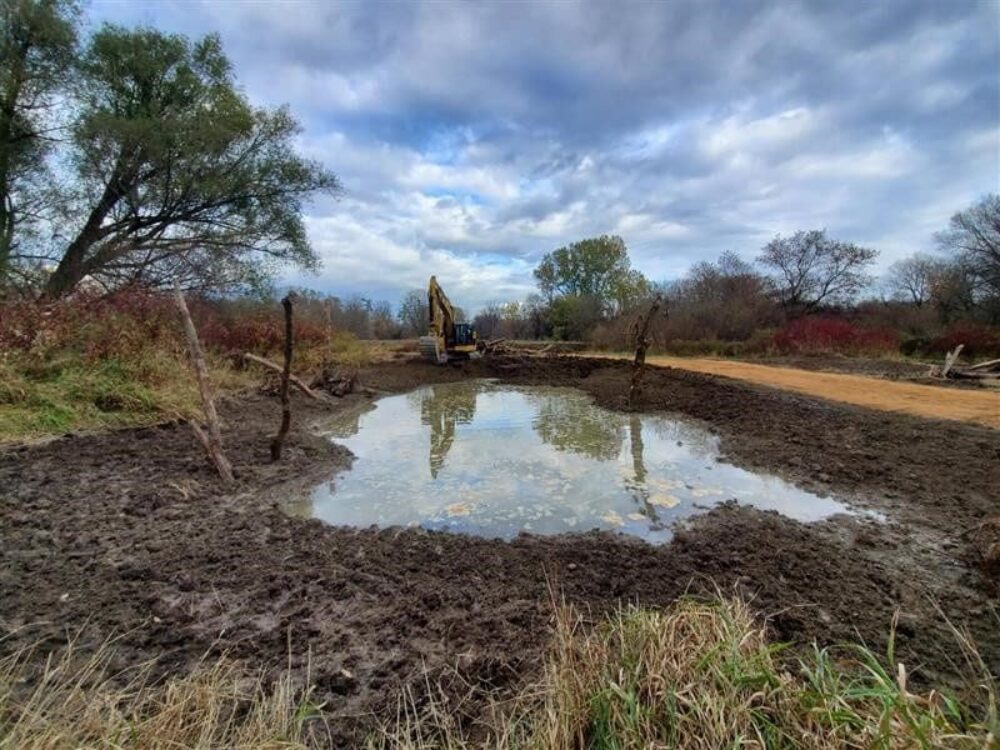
(642,342)
(286,409)
(212,442)
(72,268)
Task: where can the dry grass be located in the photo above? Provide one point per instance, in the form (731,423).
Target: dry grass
(67,393)
(703,676)
(74,702)
(699,676)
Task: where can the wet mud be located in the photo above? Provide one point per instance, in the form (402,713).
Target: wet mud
(128,533)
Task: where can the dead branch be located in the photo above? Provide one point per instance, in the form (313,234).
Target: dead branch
(293,379)
(991,364)
(211,442)
(983,371)
(950,358)
(503,346)
(286,371)
(642,342)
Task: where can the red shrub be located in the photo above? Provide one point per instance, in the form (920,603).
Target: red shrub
(127,321)
(979,340)
(825,335)
(258,332)
(93,325)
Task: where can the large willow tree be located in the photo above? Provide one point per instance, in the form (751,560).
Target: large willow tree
(169,172)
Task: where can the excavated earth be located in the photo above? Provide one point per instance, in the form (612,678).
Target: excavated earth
(128,533)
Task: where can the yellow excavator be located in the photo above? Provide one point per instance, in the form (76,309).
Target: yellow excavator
(447,339)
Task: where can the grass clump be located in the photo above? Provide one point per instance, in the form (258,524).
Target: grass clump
(702,675)
(72,702)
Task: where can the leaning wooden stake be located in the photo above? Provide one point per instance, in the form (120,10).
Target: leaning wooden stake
(642,342)
(212,442)
(286,409)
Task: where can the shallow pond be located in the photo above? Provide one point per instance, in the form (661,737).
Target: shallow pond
(484,458)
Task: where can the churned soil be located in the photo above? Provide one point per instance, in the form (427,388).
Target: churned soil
(129,533)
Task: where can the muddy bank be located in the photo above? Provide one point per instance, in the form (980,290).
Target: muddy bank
(129,532)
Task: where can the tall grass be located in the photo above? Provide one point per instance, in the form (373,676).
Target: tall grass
(701,675)
(72,701)
(698,676)
(95,361)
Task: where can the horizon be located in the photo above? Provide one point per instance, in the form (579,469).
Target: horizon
(472,139)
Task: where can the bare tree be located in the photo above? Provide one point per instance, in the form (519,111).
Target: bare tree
(810,269)
(726,299)
(912,279)
(413,314)
(973,238)
(488,321)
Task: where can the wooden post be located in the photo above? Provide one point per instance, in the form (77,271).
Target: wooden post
(286,409)
(642,342)
(212,442)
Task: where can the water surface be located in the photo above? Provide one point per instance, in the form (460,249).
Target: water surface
(490,459)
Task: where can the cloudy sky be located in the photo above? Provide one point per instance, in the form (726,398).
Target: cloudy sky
(472,138)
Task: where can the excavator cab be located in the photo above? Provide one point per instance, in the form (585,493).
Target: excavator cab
(447,338)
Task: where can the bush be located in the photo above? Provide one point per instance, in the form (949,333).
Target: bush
(829,335)
(260,333)
(979,340)
(91,325)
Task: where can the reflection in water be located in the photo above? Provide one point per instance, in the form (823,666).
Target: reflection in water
(574,425)
(441,408)
(637,483)
(493,460)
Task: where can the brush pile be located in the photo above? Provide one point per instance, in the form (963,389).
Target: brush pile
(989,370)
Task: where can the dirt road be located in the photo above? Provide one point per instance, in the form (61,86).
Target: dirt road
(977,406)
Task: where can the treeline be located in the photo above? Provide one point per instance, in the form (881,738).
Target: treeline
(805,290)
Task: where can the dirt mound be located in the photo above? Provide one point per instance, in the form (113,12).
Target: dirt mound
(130,533)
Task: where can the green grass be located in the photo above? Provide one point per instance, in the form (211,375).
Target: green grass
(39,398)
(62,391)
(703,675)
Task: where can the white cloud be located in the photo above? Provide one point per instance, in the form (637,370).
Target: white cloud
(472,138)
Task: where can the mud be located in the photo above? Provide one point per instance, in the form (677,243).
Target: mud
(129,533)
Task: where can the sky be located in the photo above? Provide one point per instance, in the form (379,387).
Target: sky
(472,138)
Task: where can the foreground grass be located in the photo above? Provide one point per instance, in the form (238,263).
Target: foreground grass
(698,675)
(73,702)
(701,675)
